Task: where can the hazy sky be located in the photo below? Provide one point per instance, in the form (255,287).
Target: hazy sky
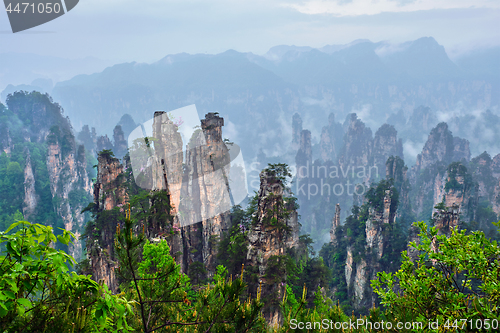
(147,30)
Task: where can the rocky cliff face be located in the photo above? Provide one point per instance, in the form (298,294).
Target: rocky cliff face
(274,230)
(303,159)
(206,183)
(457,188)
(366,243)
(196,186)
(486,171)
(30,197)
(447,219)
(375,223)
(442,146)
(103,143)
(444,219)
(358,274)
(331,140)
(361,150)
(109,192)
(72,187)
(51,157)
(120,146)
(5,139)
(429,176)
(398,172)
(350,159)
(266,239)
(358,143)
(445,175)
(108,188)
(385,144)
(168,159)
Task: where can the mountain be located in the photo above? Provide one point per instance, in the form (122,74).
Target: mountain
(185,198)
(356,63)
(378,81)
(45,175)
(422,59)
(29,69)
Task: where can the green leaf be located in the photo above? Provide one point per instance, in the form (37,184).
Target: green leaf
(15,224)
(41,238)
(20,310)
(24,302)
(3,310)
(9,294)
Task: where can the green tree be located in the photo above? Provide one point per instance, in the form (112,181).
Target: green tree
(280,171)
(233,247)
(319,318)
(164,297)
(452,279)
(38,294)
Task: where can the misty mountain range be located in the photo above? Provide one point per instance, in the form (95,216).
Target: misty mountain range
(413,86)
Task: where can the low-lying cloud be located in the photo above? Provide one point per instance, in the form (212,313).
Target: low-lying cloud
(370,7)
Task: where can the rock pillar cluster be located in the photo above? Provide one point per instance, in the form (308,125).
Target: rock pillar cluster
(197,187)
(205,216)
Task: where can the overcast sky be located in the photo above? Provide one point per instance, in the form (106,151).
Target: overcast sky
(147,30)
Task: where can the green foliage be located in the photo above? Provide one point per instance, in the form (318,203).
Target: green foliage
(376,193)
(37,111)
(295,270)
(153,210)
(282,205)
(279,171)
(335,258)
(355,231)
(233,247)
(197,273)
(11,189)
(319,318)
(455,170)
(458,281)
(440,206)
(78,197)
(165,300)
(38,294)
(64,137)
(103,223)
(28,118)
(107,153)
(353,235)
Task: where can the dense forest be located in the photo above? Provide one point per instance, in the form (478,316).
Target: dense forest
(456,286)
(86,249)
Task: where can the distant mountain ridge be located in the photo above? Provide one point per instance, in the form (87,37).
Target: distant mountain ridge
(375,80)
